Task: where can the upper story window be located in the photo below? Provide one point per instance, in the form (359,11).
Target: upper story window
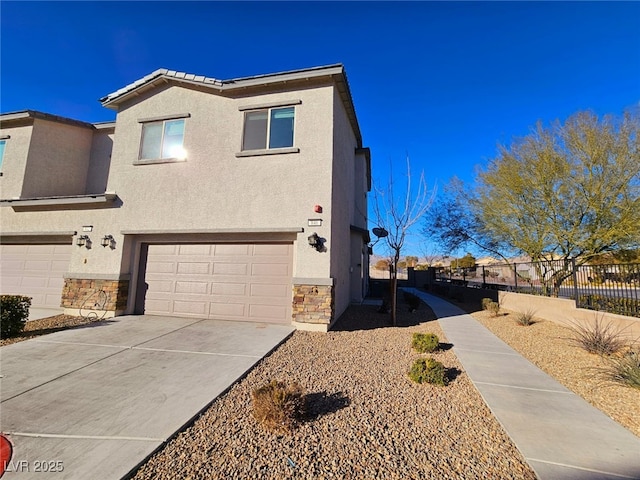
(3,143)
(162,140)
(268,128)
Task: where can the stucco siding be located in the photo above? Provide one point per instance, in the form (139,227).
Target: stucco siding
(343,211)
(14,161)
(215,189)
(99,162)
(58,160)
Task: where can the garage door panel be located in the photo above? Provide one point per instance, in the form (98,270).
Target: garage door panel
(157,306)
(194,268)
(234,281)
(195,250)
(160,267)
(35,271)
(190,308)
(220,268)
(226,310)
(163,286)
(232,249)
(272,249)
(237,289)
(269,290)
(270,269)
(192,287)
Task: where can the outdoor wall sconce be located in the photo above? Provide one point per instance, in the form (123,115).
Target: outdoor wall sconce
(315,241)
(84,240)
(107,241)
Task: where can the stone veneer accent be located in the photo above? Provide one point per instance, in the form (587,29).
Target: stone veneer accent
(93,294)
(313,304)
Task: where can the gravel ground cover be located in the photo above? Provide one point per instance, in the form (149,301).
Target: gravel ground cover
(548,345)
(35,328)
(366,419)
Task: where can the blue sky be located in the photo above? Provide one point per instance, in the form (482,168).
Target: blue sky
(443,82)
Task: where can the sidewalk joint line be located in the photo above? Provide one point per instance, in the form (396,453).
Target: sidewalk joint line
(84,437)
(124,347)
(524,388)
(197,353)
(585,469)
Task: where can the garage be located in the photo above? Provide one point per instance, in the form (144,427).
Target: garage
(35,271)
(245,282)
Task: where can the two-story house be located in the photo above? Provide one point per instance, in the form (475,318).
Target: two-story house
(241,199)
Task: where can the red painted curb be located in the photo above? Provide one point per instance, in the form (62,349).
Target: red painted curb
(6,450)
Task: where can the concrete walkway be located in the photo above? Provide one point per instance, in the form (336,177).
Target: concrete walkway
(95,401)
(560,435)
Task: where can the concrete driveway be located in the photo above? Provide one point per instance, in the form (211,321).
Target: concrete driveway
(95,401)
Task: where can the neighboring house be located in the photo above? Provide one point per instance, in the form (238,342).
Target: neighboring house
(199,200)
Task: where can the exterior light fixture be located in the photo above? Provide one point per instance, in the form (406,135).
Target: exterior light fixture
(315,241)
(107,241)
(83,240)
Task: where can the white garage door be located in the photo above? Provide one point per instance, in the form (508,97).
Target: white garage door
(35,271)
(250,282)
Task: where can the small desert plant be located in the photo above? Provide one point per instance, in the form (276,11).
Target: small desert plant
(624,369)
(494,308)
(525,319)
(278,406)
(600,338)
(425,342)
(14,314)
(485,303)
(428,370)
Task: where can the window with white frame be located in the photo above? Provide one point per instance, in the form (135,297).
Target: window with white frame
(162,140)
(268,128)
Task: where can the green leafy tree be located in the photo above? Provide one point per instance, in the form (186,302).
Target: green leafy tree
(411,261)
(569,190)
(468,261)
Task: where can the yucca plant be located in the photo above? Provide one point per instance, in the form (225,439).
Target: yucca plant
(600,337)
(623,369)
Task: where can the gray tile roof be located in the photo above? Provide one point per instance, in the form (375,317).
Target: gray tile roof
(162,74)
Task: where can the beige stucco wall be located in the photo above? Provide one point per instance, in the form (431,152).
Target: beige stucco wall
(564,312)
(58,160)
(15,160)
(212,190)
(99,161)
(343,263)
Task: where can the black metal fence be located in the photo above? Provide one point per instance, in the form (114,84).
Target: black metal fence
(613,288)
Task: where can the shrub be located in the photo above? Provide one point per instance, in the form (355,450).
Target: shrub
(428,370)
(494,308)
(600,338)
(425,342)
(485,303)
(279,407)
(15,312)
(525,319)
(621,305)
(624,369)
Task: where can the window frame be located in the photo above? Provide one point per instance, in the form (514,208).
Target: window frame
(3,141)
(268,109)
(163,120)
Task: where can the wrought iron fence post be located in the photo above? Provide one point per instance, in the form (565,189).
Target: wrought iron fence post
(515,275)
(484,278)
(575,281)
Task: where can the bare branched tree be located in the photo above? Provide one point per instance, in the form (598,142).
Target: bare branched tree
(396,212)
